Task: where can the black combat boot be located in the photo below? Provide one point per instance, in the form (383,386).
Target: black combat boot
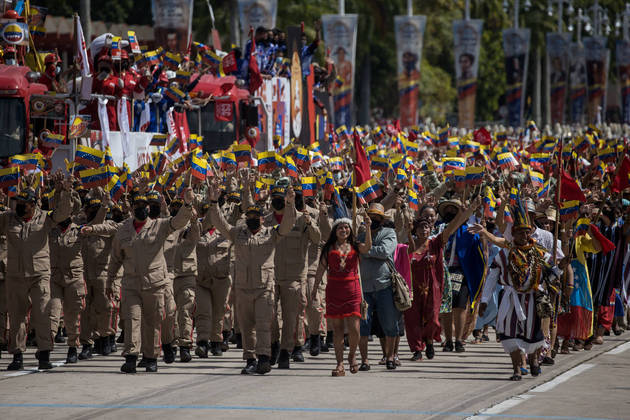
(225,345)
(202,349)
(130,364)
(297,355)
(314,347)
(239,341)
(215,348)
(44,360)
(264,366)
(184,354)
(112,343)
(59,336)
(275,350)
(121,337)
(17,363)
(250,367)
(106,346)
(97,348)
(283,359)
(232,338)
(72,355)
(143,362)
(169,354)
(323,344)
(86,352)
(151,365)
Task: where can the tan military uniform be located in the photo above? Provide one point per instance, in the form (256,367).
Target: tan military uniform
(100,317)
(291,262)
(4,316)
(254,280)
(145,278)
(213,284)
(185,271)
(67,284)
(28,273)
(169,322)
(315,311)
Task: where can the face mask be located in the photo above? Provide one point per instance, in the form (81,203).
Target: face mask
(221,200)
(141,213)
(448,217)
(375,224)
(277,203)
(45,205)
(117,217)
(253,224)
(64,225)
(154,211)
(490,227)
(299,203)
(173,211)
(20,209)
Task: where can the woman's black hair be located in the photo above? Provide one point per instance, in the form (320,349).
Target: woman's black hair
(332,239)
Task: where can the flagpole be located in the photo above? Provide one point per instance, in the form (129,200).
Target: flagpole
(558,192)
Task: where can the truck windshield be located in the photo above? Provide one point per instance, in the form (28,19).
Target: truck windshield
(217,135)
(12,126)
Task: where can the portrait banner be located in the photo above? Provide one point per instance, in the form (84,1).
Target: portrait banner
(467,41)
(557,74)
(622,49)
(172,24)
(340,34)
(409,37)
(577,82)
(516,51)
(597,58)
(255,13)
(281,111)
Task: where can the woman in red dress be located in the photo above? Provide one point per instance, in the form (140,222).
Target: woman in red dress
(340,260)
(427,271)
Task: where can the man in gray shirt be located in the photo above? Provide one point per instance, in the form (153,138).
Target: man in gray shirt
(376,280)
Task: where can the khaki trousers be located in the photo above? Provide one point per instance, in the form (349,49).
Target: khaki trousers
(255,310)
(315,318)
(70,298)
(143,312)
(169,321)
(97,318)
(4,316)
(24,293)
(212,302)
(184,289)
(292,300)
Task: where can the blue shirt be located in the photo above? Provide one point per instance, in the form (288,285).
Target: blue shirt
(375,274)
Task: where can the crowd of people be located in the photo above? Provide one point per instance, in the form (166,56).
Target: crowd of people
(282,250)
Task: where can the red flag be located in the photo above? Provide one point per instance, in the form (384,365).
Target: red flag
(482,136)
(229,63)
(362,172)
(255,79)
(607,246)
(223,110)
(621,182)
(570,189)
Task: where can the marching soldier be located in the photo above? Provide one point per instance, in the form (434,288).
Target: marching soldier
(254,282)
(28,269)
(138,246)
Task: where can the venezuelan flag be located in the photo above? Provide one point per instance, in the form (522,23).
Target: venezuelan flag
(172,60)
(582,225)
(88,156)
(182,77)
(292,170)
(329,186)
(366,191)
(507,161)
(28,161)
(151,57)
(242,152)
(401,175)
(460,177)
(115,188)
(379,163)
(412,197)
(470,146)
(537,179)
(199,166)
(159,140)
(411,148)
(175,94)
(608,154)
(513,196)
(309,186)
(544,189)
(314,147)
(194,142)
(342,129)
(228,160)
(267,161)
(443,136)
(336,163)
(453,143)
(569,209)
(301,158)
(474,175)
(95,177)
(9,176)
(453,163)
(173,146)
(52,141)
(489,202)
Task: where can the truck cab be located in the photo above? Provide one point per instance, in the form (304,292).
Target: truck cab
(17,85)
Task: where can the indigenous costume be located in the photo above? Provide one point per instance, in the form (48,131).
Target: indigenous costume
(343,292)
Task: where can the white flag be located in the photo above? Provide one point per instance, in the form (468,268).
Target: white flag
(82,58)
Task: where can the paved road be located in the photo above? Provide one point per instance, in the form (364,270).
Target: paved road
(587,384)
